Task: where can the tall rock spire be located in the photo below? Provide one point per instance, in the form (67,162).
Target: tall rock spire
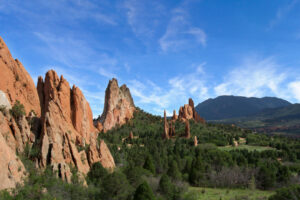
(118,107)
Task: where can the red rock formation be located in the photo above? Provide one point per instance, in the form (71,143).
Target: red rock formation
(187,129)
(166,127)
(118,107)
(188,112)
(12,169)
(175,117)
(195,141)
(130,135)
(171,129)
(16,82)
(67,124)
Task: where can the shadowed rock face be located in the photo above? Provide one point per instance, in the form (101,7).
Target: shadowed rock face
(67,123)
(16,83)
(118,107)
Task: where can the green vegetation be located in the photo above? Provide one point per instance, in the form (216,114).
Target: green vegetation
(226,194)
(167,168)
(247,147)
(18,110)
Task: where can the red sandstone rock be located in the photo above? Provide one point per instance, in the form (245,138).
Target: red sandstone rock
(195,141)
(67,123)
(130,135)
(188,112)
(187,129)
(16,82)
(166,127)
(175,117)
(12,169)
(118,107)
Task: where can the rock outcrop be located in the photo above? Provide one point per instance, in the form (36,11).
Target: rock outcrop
(195,141)
(166,127)
(58,122)
(119,106)
(16,83)
(12,169)
(67,128)
(131,135)
(188,112)
(187,129)
(175,117)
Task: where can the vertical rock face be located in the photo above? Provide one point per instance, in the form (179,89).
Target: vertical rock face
(12,169)
(175,117)
(195,141)
(131,135)
(188,112)
(166,127)
(16,83)
(187,129)
(67,126)
(118,107)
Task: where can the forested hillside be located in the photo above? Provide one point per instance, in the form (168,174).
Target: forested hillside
(152,167)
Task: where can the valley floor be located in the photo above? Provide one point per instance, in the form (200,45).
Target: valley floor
(201,193)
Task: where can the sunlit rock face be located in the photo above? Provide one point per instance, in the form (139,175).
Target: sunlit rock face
(188,112)
(67,125)
(16,83)
(119,106)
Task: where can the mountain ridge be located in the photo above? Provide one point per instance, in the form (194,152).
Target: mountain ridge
(229,106)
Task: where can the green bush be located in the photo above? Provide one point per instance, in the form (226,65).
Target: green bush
(18,110)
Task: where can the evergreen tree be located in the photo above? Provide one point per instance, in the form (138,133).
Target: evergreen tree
(149,164)
(165,186)
(173,171)
(144,192)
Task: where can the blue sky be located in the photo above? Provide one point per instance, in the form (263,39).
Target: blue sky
(165,51)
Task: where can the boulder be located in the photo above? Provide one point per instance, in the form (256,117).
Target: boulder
(118,107)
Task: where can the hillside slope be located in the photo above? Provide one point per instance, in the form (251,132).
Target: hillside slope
(224,107)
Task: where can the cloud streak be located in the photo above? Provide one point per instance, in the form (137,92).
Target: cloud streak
(180,33)
(282,12)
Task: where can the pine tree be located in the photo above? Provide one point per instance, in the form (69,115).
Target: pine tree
(149,164)
(144,192)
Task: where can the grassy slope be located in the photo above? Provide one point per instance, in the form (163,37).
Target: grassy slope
(228,194)
(248,147)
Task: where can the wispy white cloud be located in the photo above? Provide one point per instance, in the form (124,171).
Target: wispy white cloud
(106,73)
(144,16)
(254,78)
(180,33)
(294,88)
(282,12)
(57,10)
(175,94)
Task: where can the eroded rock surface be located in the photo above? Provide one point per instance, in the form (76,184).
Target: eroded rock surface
(68,135)
(119,106)
(188,112)
(16,83)
(12,169)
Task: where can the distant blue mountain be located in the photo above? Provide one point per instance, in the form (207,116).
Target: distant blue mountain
(226,107)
